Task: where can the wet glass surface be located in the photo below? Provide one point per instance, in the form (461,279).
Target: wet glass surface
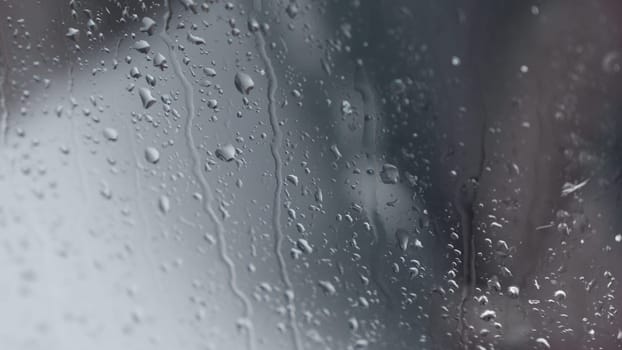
(313,174)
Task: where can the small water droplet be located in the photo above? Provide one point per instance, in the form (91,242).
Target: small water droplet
(335,150)
(543,343)
(300,228)
(164,204)
(293,179)
(195,39)
(152,155)
(209,71)
(292,10)
(327,287)
(111,134)
(73,33)
(612,62)
(402,239)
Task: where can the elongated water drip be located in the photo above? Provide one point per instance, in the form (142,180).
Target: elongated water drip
(278,174)
(208,196)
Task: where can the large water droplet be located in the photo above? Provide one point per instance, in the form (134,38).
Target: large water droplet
(243,82)
(389,174)
(488,315)
(253,25)
(145,96)
(142,46)
(160,61)
(148,25)
(513,291)
(226,153)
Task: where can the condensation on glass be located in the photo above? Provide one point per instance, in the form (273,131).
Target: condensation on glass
(310,174)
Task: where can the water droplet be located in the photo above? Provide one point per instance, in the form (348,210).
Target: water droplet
(189,5)
(145,96)
(148,25)
(164,204)
(402,239)
(73,34)
(293,179)
(513,291)
(612,62)
(111,134)
(159,61)
(335,150)
(253,25)
(244,83)
(209,71)
(91,25)
(304,246)
(152,155)
(195,39)
(134,72)
(488,315)
(226,152)
(292,10)
(327,287)
(389,174)
(142,46)
(560,295)
(212,103)
(361,344)
(353,323)
(151,80)
(543,343)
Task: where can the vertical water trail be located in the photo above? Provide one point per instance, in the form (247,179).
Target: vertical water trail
(208,196)
(465,202)
(74,137)
(464,206)
(145,249)
(278,174)
(370,183)
(4,113)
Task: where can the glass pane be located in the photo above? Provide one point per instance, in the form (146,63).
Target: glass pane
(309,174)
